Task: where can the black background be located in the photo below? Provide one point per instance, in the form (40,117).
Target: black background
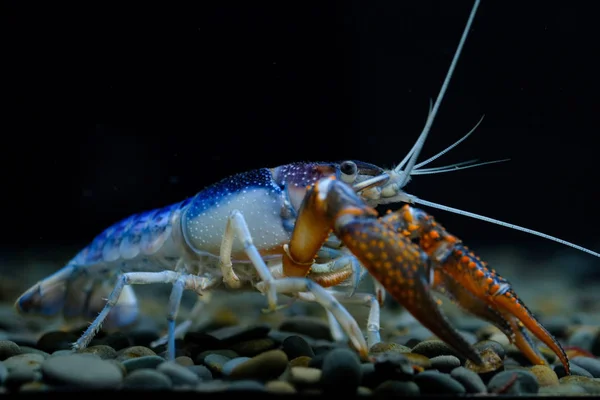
(109,109)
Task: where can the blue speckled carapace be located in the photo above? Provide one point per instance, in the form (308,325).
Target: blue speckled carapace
(185,234)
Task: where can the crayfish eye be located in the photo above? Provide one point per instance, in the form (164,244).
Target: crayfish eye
(348,171)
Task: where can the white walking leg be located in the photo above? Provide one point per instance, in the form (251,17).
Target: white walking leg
(236,225)
(329,302)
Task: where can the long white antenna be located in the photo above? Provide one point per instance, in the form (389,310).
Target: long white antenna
(416,200)
(421,140)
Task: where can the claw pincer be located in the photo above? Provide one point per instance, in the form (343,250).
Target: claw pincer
(390,257)
(470,283)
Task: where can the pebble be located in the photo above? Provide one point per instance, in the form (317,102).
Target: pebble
(129,353)
(341,372)
(117,341)
(591,365)
(583,337)
(215,363)
(513,382)
(24,361)
(575,370)
(279,336)
(266,366)
(231,364)
(3,372)
(469,379)
(27,349)
(492,364)
(8,349)
(434,348)
(544,375)
(295,346)
(147,379)
(56,340)
(383,347)
(179,374)
(222,352)
(19,377)
(246,386)
(142,362)
(184,361)
(253,347)
(300,361)
(491,344)
(313,327)
(280,387)
(590,385)
(302,377)
(561,390)
(103,351)
(81,371)
(201,371)
(391,366)
(397,388)
(434,382)
(444,363)
(238,333)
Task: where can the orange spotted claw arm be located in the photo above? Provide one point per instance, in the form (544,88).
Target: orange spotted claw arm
(392,259)
(464,271)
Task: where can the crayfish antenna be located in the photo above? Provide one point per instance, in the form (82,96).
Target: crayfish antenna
(415,200)
(423,136)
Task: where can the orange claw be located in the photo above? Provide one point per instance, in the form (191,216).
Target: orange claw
(392,259)
(471,275)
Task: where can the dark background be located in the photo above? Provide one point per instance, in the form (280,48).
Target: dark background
(109,109)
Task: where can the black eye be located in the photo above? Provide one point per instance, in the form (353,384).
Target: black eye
(348,168)
(348,171)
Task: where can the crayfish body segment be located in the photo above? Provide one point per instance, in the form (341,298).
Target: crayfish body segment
(410,271)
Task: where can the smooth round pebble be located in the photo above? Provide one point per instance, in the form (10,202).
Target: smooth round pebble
(146,379)
(30,361)
(133,364)
(434,348)
(18,377)
(591,365)
(313,327)
(397,388)
(575,370)
(231,364)
(492,364)
(266,366)
(341,372)
(513,382)
(591,385)
(280,387)
(393,366)
(81,371)
(239,333)
(583,337)
(201,371)
(56,340)
(560,390)
(184,361)
(8,349)
(303,376)
(491,344)
(216,362)
(103,351)
(134,352)
(545,375)
(179,374)
(444,363)
(245,385)
(383,347)
(469,379)
(434,382)
(300,361)
(3,372)
(251,348)
(229,354)
(295,346)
